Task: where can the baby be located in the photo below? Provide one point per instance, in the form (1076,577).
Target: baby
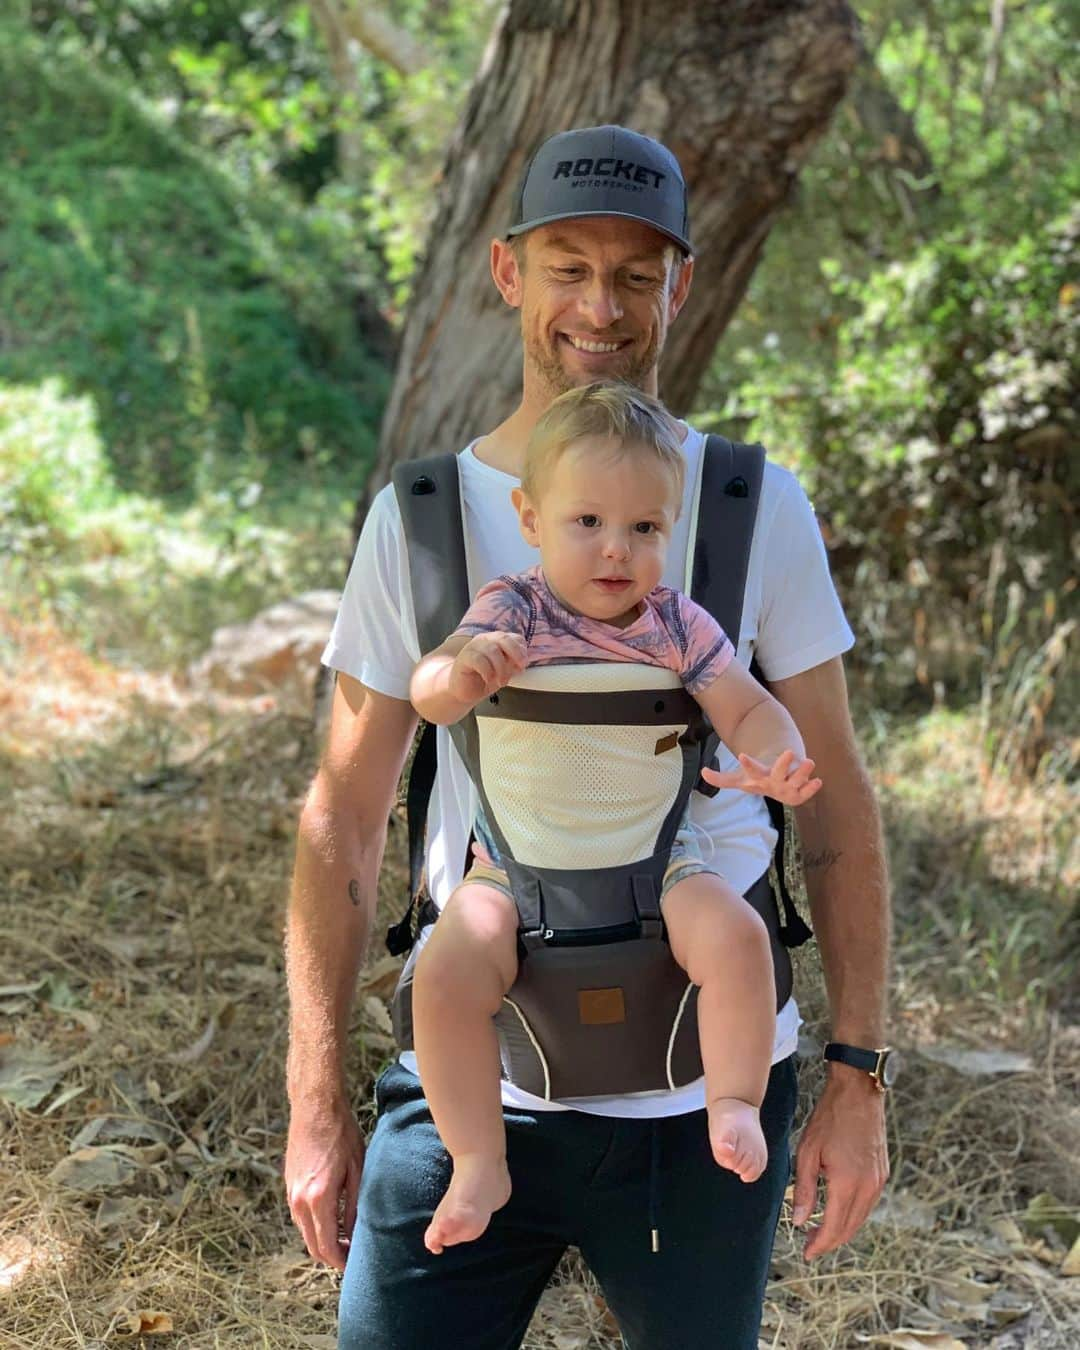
(601,490)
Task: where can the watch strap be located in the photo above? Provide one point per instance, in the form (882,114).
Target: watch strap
(853,1055)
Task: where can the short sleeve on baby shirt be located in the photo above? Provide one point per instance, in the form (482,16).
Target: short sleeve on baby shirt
(504,605)
(707,651)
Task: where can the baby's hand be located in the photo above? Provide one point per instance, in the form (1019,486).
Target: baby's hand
(787,781)
(485,664)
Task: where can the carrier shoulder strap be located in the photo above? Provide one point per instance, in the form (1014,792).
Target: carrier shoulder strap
(725,515)
(429,501)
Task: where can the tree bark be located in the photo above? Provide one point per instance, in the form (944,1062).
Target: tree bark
(740,92)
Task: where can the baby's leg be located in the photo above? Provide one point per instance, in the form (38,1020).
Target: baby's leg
(464,969)
(723,945)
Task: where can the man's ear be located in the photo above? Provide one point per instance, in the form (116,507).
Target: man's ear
(681,289)
(505,272)
(526,517)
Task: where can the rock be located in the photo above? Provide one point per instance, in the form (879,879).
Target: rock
(276,652)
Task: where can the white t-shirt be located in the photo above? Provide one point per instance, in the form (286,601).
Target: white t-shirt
(792,620)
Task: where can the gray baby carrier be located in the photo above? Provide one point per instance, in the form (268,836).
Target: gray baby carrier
(579,768)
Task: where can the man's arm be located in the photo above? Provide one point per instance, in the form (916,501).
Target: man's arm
(847,883)
(331,911)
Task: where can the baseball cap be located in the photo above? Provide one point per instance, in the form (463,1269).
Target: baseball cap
(603,171)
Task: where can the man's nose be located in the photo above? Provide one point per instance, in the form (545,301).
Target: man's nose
(601,303)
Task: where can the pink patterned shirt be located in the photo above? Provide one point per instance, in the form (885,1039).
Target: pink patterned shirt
(672,630)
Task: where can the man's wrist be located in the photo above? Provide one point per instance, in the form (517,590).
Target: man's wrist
(314,1098)
(311,1080)
(877,1065)
(844,1077)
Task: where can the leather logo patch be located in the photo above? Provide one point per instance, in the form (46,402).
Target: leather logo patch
(601,1007)
(668,742)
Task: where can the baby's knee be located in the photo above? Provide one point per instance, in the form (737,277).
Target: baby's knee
(472,951)
(736,935)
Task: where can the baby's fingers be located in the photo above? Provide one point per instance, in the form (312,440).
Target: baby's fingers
(755,768)
(795,796)
(783,767)
(797,776)
(516,650)
(723,780)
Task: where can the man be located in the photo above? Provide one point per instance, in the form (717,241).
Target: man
(598,263)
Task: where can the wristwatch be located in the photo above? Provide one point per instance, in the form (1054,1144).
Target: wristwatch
(882,1065)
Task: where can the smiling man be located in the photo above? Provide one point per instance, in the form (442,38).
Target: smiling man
(597,261)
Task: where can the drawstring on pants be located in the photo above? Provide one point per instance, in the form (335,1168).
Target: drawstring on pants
(654,1184)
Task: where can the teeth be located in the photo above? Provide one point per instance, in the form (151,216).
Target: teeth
(585,346)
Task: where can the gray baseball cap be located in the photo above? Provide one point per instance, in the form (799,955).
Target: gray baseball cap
(603,171)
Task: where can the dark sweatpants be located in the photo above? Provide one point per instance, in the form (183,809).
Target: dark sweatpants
(578,1180)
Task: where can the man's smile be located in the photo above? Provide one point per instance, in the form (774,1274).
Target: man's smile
(594,345)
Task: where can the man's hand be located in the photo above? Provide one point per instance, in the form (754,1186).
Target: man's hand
(323,1161)
(844,1141)
(787,780)
(485,664)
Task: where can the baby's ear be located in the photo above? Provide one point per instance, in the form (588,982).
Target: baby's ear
(526,516)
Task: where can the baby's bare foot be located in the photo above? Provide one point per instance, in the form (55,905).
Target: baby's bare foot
(479,1186)
(735,1134)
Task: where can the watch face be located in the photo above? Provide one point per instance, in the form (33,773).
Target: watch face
(890,1067)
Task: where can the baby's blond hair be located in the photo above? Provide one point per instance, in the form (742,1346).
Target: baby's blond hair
(613,410)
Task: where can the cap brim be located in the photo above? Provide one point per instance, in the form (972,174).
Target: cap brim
(684,244)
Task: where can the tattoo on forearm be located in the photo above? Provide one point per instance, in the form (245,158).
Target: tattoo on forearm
(822,860)
(354,891)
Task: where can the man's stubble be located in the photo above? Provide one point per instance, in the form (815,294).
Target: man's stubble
(634,368)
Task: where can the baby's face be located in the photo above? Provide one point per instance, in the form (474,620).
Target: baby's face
(603,523)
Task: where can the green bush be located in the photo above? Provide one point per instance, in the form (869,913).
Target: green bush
(211,324)
(52,469)
(941,448)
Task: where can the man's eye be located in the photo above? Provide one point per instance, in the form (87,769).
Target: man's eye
(641,279)
(568,273)
(590,522)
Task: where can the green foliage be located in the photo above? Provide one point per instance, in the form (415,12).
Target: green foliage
(915,353)
(255,88)
(132,578)
(406,122)
(208,323)
(943,428)
(52,470)
(248,84)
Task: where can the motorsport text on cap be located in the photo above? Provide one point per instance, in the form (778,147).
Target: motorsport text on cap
(604,171)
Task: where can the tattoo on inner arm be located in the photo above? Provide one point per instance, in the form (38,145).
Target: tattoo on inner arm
(822,860)
(354,891)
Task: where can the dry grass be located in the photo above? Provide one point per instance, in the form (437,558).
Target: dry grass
(145,851)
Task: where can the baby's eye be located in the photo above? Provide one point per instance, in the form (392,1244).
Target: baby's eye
(645,527)
(590,522)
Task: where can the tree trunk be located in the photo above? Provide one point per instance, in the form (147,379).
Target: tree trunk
(740,92)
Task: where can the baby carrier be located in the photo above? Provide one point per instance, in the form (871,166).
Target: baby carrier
(584,772)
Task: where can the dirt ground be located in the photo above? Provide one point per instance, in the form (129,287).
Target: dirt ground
(145,847)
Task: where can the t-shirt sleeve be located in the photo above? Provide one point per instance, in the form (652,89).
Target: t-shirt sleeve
(708,651)
(499,607)
(802,622)
(374,638)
